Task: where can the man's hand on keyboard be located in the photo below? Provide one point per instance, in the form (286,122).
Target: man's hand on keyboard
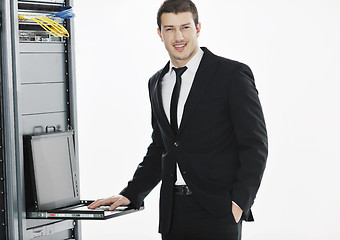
(114,202)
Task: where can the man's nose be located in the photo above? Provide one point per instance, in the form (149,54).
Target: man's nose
(179,35)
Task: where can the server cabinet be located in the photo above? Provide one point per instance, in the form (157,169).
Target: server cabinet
(8,183)
(37,90)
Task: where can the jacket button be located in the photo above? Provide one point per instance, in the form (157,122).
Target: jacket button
(176,144)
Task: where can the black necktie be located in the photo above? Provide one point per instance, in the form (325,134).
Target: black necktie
(174,98)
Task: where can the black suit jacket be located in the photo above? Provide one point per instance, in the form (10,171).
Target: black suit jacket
(221,147)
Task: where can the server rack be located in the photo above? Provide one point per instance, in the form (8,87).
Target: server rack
(37,90)
(8,196)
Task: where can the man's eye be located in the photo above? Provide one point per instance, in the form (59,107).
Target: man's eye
(168,29)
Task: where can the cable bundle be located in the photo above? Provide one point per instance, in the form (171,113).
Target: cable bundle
(66,13)
(50,25)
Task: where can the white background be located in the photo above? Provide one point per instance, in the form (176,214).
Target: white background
(293,48)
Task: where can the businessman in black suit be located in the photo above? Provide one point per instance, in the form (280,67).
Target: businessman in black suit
(209,141)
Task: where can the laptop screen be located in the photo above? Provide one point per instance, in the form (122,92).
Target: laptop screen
(54,169)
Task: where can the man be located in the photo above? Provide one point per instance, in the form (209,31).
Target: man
(209,143)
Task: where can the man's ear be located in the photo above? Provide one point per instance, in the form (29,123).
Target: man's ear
(160,33)
(198,29)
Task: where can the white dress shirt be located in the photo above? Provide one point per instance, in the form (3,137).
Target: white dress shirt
(168,84)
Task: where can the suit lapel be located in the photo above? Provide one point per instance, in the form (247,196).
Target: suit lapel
(158,102)
(204,74)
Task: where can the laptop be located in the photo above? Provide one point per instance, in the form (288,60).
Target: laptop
(52,183)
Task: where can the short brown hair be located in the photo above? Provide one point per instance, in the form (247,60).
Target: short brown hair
(177,6)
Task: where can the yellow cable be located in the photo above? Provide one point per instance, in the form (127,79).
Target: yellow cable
(22,17)
(48,25)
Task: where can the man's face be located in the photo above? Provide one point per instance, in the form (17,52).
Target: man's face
(179,34)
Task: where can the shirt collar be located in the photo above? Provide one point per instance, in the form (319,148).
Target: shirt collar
(193,64)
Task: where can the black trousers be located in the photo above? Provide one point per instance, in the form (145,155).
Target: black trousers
(191,222)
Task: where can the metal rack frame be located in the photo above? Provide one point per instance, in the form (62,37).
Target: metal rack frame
(13,222)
